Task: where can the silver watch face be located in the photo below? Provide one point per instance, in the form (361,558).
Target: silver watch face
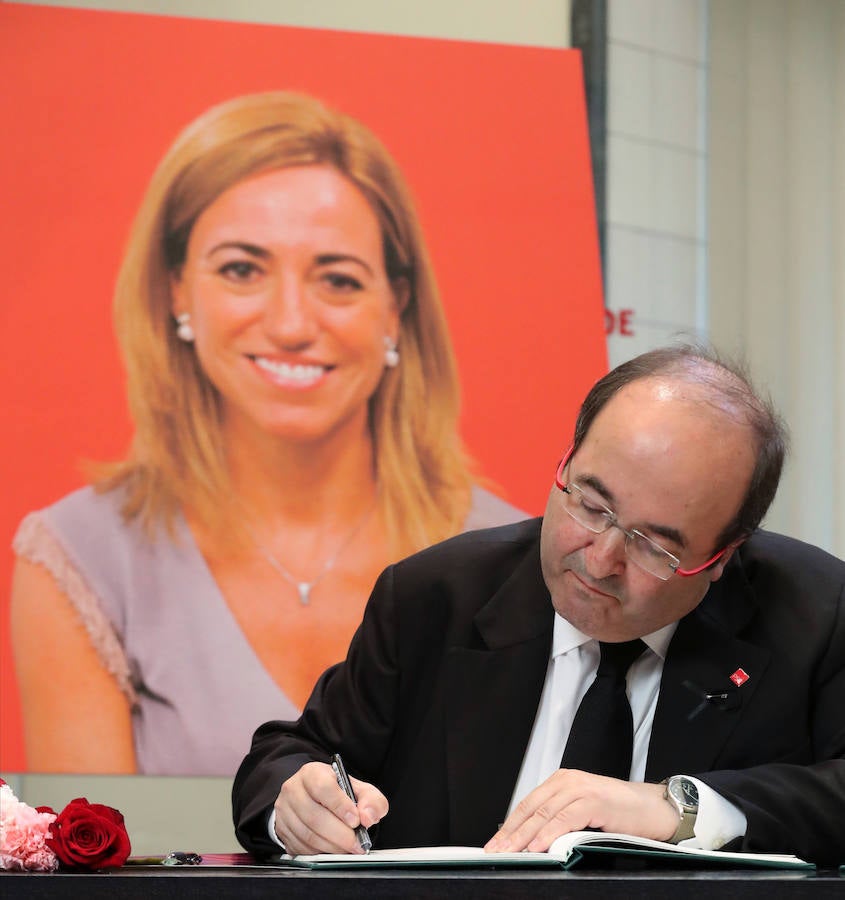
(684,792)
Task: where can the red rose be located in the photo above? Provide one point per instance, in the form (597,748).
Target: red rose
(89,836)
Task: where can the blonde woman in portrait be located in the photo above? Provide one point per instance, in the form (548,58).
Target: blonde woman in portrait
(295,402)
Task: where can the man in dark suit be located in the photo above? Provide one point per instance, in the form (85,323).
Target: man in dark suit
(461,687)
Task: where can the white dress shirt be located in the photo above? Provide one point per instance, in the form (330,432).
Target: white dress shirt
(572,668)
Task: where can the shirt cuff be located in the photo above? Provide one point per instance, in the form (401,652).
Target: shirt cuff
(718,821)
(271,829)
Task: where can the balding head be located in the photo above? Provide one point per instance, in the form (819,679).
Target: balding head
(725,391)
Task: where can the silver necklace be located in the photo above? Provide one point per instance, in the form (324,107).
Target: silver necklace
(304,588)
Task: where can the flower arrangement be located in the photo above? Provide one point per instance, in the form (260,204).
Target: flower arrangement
(82,837)
(23,835)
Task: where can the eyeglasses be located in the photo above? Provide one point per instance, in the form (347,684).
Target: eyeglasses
(640,549)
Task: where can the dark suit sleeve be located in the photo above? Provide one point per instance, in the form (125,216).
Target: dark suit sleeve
(800,808)
(351,710)
(471,610)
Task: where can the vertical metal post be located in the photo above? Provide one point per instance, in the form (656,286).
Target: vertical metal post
(588,22)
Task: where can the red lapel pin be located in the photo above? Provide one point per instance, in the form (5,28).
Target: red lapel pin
(740,677)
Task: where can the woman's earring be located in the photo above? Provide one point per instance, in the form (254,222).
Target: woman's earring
(184,331)
(391,354)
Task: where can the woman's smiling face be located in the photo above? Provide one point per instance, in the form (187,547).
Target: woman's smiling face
(290,302)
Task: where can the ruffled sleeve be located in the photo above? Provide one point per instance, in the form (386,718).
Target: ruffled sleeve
(36,543)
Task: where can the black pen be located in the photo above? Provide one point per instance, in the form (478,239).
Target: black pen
(346,786)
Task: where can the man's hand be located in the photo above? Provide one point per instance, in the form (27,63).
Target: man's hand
(313,815)
(571,800)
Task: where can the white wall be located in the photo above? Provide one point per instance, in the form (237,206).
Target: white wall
(726,211)
(656,171)
(540,23)
(777,226)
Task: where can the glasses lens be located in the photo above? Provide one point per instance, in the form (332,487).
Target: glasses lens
(596,517)
(650,556)
(591,515)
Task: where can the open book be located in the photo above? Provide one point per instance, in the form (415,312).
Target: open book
(567,851)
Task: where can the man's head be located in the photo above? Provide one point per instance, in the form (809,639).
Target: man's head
(677,445)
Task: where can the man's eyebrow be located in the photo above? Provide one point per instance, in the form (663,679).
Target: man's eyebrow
(598,486)
(666,531)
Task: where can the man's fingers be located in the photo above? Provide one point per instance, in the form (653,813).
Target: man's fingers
(315,830)
(322,833)
(574,816)
(530,834)
(569,800)
(522,824)
(313,815)
(372,804)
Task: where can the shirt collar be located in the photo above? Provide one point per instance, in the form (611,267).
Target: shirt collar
(566,637)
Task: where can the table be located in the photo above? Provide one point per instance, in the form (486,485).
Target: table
(430,884)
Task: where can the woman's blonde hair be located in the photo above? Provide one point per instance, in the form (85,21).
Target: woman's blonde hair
(176,460)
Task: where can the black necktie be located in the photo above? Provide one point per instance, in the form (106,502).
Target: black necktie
(602,735)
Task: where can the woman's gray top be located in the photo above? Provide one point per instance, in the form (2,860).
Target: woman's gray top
(162,627)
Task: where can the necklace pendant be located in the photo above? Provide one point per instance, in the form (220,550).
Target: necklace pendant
(304,588)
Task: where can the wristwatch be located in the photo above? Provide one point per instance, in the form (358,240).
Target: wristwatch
(682,793)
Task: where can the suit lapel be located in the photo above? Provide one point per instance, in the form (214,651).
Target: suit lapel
(486,740)
(689,728)
(493,701)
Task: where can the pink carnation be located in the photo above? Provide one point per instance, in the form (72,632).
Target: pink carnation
(23,831)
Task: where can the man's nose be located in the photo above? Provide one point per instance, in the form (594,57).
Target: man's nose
(605,554)
(290,317)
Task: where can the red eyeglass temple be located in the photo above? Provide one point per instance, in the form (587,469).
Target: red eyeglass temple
(703,566)
(679,571)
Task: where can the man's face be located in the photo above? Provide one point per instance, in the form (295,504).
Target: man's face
(668,464)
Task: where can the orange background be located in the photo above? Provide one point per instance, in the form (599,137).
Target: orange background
(492,139)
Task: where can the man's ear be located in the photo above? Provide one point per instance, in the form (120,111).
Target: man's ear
(716,571)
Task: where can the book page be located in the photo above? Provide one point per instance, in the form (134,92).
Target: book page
(423,856)
(562,848)
(564,851)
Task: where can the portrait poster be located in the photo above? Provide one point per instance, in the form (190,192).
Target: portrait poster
(492,139)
